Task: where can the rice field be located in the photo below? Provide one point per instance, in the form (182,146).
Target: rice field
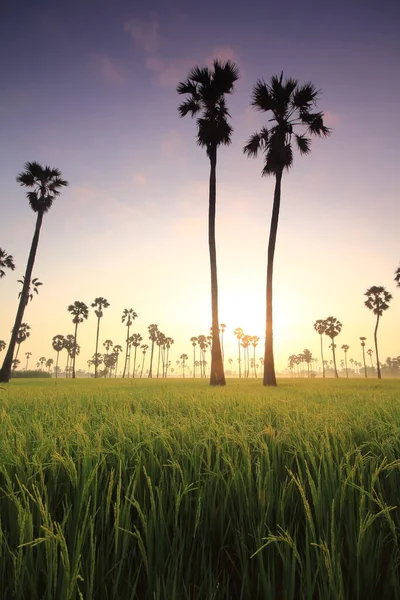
(153,490)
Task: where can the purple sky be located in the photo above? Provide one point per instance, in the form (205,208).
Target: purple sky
(90,87)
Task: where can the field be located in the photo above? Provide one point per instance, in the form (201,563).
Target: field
(150,490)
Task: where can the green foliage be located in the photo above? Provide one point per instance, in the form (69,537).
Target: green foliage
(30,375)
(158,490)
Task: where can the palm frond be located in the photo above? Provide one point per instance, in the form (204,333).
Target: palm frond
(189,106)
(200,75)
(303,143)
(253,145)
(187,87)
(304,96)
(225,74)
(262,98)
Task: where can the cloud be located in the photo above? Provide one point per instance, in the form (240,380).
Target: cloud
(168,73)
(171,143)
(223,53)
(332,119)
(139,179)
(111,71)
(145,33)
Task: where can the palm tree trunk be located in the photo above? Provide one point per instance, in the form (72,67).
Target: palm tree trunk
(269,367)
(66,366)
(217,376)
(322,358)
(75,345)
(58,356)
(7,363)
(151,360)
(141,372)
(334,358)
(97,347)
(134,363)
(345,362)
(378,368)
(240,369)
(126,353)
(194,362)
(365,366)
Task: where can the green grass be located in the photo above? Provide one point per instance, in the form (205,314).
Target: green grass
(171,490)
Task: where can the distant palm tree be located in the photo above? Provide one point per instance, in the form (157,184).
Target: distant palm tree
(15,363)
(117,351)
(222,330)
(245,343)
(169,341)
(205,90)
(307,355)
(320,327)
(153,331)
(136,338)
(378,301)
(107,345)
(46,183)
(6,262)
(194,341)
(291,105)
(160,342)
(128,316)
(69,343)
(80,312)
(49,364)
(239,334)
(203,345)
(33,287)
(58,344)
(144,348)
(23,334)
(345,348)
(98,304)
(184,358)
(254,341)
(28,355)
(42,361)
(363,339)
(332,329)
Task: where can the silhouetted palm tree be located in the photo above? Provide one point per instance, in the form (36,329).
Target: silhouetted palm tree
(58,344)
(222,330)
(183,358)
(194,341)
(117,351)
(6,262)
(144,348)
(107,345)
(169,341)
(332,329)
(254,341)
(378,301)
(291,106)
(69,344)
(239,334)
(136,338)
(128,315)
(23,334)
(307,356)
(206,89)
(345,348)
(245,343)
(160,342)
(46,183)
(363,339)
(153,331)
(80,312)
(28,355)
(203,345)
(320,327)
(98,304)
(49,364)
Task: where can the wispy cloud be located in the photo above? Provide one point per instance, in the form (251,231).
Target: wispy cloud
(223,53)
(111,71)
(145,33)
(168,73)
(332,119)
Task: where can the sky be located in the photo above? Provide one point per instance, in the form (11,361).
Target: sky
(90,87)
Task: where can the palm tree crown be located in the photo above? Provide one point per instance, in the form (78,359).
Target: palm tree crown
(377,299)
(291,106)
(79,311)
(205,89)
(46,183)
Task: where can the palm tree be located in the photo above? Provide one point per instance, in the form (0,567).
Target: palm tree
(28,355)
(332,328)
(128,315)
(345,348)
(98,304)
(378,301)
(168,343)
(320,327)
(363,339)
(46,183)
(49,364)
(107,345)
(117,350)
(254,341)
(184,358)
(80,312)
(291,106)
(160,343)
(245,345)
(42,361)
(397,276)
(194,341)
(205,90)
(135,340)
(239,334)
(6,262)
(35,283)
(22,336)
(144,348)
(58,344)
(203,345)
(153,331)
(307,356)
(69,343)
(222,330)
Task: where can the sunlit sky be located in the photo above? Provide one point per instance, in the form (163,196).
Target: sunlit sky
(90,87)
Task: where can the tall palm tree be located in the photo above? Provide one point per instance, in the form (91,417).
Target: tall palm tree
(128,316)
(320,327)
(184,358)
(345,348)
(107,345)
(362,340)
(45,184)
(378,301)
(203,345)
(98,304)
(135,338)
(370,353)
(239,333)
(160,343)
(245,343)
(6,262)
(144,348)
(307,356)
(332,329)
(205,90)
(23,334)
(194,341)
(153,331)
(117,351)
(58,344)
(168,343)
(80,312)
(28,355)
(291,106)
(49,364)
(69,344)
